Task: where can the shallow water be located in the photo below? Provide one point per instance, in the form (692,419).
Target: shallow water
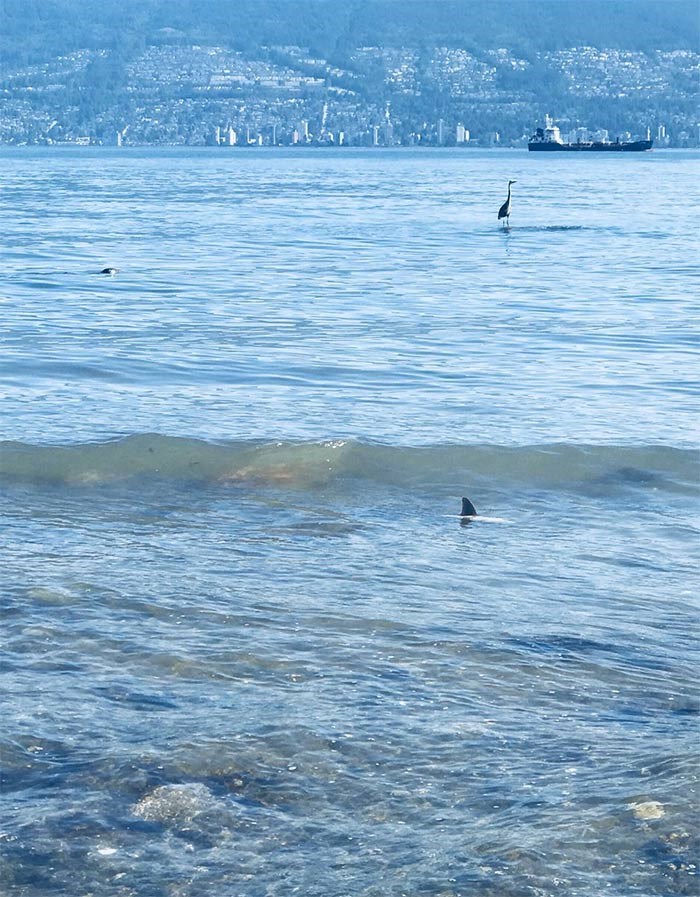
(249,649)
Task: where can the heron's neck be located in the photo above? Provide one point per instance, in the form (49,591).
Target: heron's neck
(508,191)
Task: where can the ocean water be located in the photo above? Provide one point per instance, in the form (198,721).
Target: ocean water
(249,649)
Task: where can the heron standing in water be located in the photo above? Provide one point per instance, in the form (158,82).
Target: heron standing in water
(504,211)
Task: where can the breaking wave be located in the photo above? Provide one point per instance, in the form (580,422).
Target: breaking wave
(310,464)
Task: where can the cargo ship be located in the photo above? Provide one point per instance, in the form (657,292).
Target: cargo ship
(548,140)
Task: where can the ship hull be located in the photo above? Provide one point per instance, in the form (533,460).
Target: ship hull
(635,146)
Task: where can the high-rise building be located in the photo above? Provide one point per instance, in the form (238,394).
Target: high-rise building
(231,137)
(440,132)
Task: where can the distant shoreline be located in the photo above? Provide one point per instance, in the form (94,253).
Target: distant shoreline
(341,149)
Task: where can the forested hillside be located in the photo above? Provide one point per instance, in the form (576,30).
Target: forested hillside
(33,29)
(360,72)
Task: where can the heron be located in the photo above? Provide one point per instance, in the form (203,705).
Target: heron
(504,211)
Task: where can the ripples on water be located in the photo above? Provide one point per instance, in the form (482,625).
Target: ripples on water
(249,648)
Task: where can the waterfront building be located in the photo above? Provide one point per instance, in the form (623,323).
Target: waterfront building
(462,135)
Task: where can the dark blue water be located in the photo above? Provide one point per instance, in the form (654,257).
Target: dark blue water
(249,649)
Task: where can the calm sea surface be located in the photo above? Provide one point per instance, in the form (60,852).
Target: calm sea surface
(248,648)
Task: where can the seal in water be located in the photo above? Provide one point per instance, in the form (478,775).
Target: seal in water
(109,270)
(468,509)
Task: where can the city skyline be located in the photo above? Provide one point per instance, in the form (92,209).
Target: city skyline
(194,95)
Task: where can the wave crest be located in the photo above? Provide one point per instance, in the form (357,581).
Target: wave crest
(310,464)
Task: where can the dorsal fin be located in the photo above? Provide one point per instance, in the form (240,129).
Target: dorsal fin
(468,509)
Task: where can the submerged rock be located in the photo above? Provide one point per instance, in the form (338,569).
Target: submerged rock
(648,809)
(175,805)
